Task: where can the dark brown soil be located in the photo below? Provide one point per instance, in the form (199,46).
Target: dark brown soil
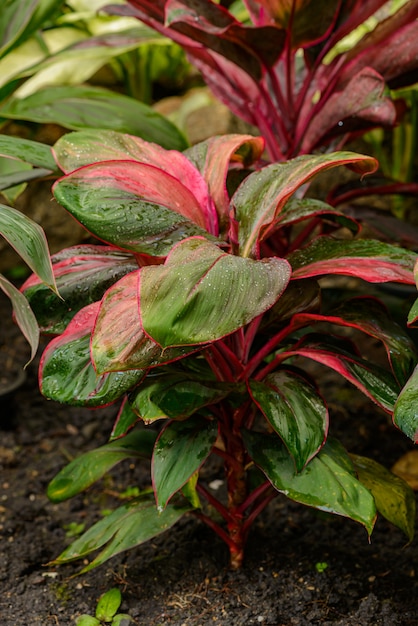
(181,578)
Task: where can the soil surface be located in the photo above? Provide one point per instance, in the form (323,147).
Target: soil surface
(301,568)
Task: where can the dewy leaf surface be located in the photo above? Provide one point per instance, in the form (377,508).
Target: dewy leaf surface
(295,411)
(405,415)
(118,341)
(75,150)
(180,450)
(260,198)
(327,483)
(67,373)
(202,294)
(134,206)
(374,261)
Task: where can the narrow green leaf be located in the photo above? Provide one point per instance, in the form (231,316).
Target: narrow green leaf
(327,483)
(179,452)
(394,498)
(108,605)
(29,241)
(32,152)
(202,294)
(128,526)
(295,410)
(25,317)
(86,469)
(79,107)
(405,414)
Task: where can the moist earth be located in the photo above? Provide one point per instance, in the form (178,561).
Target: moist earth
(302,567)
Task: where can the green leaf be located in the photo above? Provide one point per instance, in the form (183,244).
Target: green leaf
(122,619)
(67,373)
(108,605)
(87,620)
(86,469)
(373,261)
(327,483)
(29,241)
(25,317)
(28,151)
(394,498)
(295,410)
(21,18)
(152,210)
(175,396)
(260,199)
(405,414)
(128,526)
(179,452)
(189,491)
(84,107)
(202,294)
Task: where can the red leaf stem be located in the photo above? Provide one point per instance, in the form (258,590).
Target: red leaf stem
(222,510)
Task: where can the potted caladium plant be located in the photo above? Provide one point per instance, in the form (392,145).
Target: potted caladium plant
(197,311)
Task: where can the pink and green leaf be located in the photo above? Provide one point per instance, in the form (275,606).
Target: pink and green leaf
(118,340)
(327,483)
(67,373)
(76,150)
(202,294)
(82,273)
(371,260)
(261,197)
(295,411)
(213,157)
(180,450)
(371,317)
(152,209)
(375,382)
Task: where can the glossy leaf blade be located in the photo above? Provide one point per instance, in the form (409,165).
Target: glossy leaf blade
(175,396)
(67,373)
(151,208)
(28,151)
(76,150)
(405,414)
(29,241)
(202,294)
(371,260)
(118,341)
(82,274)
(263,194)
(88,468)
(180,450)
(394,498)
(295,410)
(80,107)
(327,483)
(371,317)
(125,528)
(375,382)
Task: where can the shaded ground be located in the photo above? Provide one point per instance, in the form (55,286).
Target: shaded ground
(181,578)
